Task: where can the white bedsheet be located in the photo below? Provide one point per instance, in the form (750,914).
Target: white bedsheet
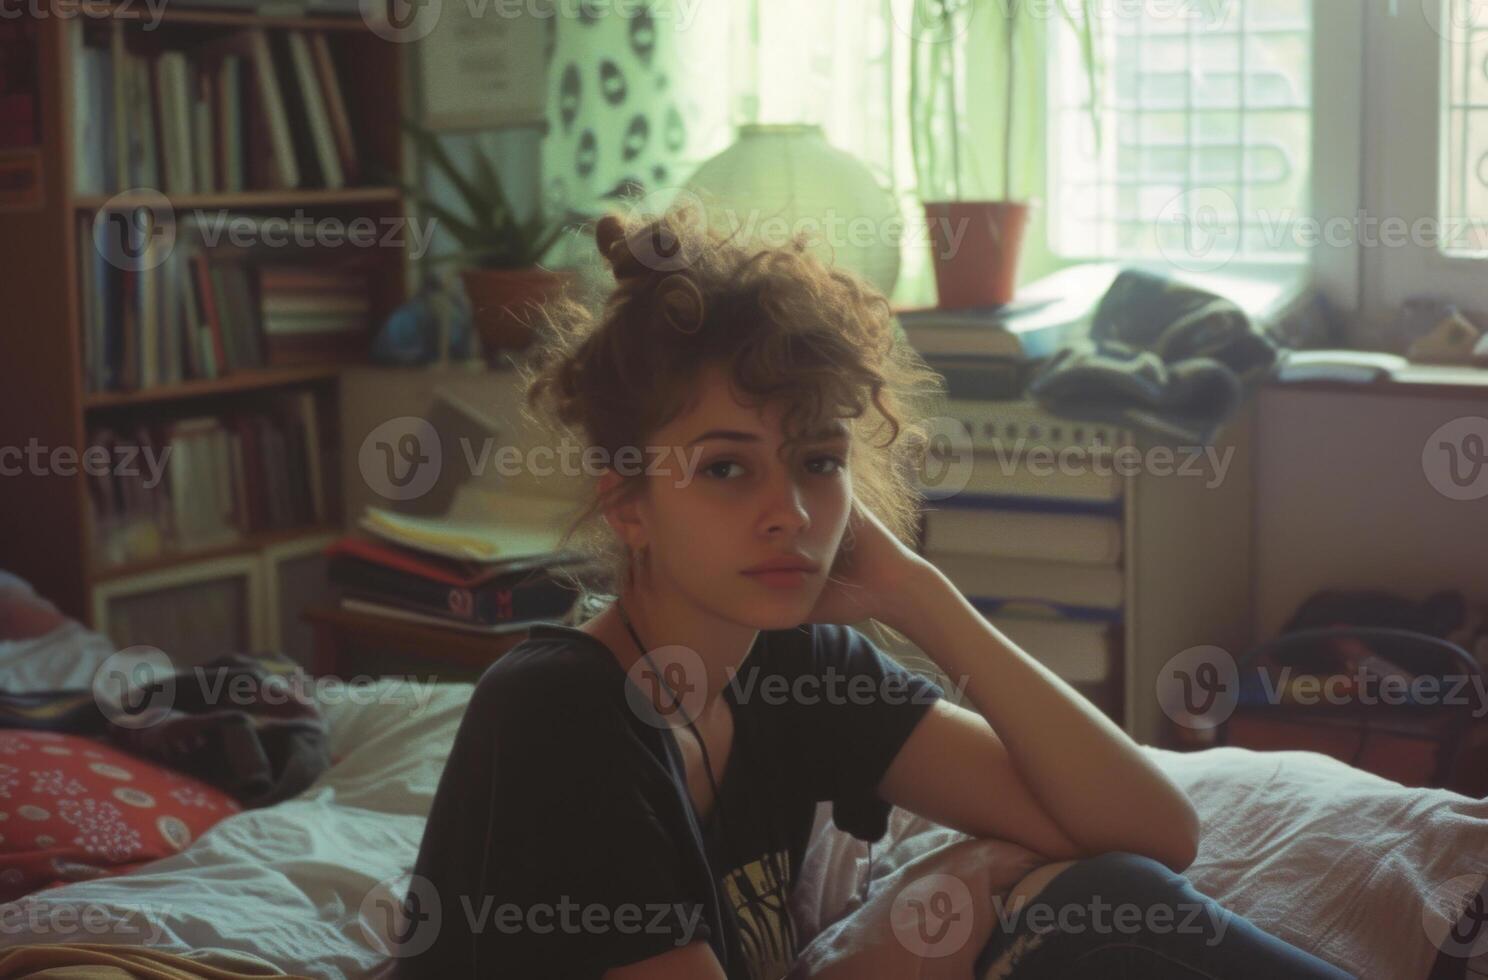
(1334,860)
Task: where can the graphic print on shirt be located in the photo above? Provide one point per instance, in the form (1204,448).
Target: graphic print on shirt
(765,934)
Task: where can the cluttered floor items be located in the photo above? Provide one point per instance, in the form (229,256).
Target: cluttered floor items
(1390,685)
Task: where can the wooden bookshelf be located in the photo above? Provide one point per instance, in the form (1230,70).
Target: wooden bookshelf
(251,200)
(242,381)
(46,532)
(247,544)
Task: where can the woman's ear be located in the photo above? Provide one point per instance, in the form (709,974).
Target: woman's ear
(622,517)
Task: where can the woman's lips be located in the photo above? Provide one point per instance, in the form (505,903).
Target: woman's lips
(781,578)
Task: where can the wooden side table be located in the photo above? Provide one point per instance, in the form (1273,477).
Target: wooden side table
(348,642)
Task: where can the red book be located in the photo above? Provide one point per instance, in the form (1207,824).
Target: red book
(463,574)
(203,272)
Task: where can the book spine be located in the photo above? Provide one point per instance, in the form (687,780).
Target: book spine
(317,119)
(272,106)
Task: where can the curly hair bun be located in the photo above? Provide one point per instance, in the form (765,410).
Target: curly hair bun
(613,242)
(608,231)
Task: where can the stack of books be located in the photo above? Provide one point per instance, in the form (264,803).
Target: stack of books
(254,109)
(491,577)
(313,314)
(205,481)
(988,353)
(1037,549)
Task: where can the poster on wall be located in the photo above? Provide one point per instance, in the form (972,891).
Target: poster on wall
(484,66)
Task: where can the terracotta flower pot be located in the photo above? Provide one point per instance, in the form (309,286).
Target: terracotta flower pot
(503,303)
(974,249)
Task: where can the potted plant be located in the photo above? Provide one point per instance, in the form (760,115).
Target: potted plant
(975,243)
(499,253)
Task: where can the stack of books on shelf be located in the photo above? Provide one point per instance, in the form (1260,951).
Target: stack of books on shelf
(990,353)
(254,109)
(313,314)
(1038,550)
(206,309)
(490,577)
(191,484)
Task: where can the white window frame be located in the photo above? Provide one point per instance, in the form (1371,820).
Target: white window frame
(1407,52)
(1377,76)
(1338,113)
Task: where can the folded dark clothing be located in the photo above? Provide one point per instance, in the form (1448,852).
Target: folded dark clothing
(1178,322)
(245,724)
(1161,356)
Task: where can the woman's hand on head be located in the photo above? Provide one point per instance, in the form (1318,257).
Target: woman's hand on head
(869,575)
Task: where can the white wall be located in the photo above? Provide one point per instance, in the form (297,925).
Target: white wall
(1343,501)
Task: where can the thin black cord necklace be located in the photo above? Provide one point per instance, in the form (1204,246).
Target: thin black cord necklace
(747,886)
(676,702)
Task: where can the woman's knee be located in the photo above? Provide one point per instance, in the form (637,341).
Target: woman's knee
(1036,880)
(1133,876)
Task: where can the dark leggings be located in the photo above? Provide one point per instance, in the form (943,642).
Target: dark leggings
(1120,915)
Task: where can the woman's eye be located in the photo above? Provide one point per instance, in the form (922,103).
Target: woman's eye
(835,464)
(713,469)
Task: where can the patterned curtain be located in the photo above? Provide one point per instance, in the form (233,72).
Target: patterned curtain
(614,114)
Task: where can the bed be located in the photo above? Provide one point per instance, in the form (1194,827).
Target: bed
(1361,871)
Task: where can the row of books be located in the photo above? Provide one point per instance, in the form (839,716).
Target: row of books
(499,575)
(198,482)
(1039,554)
(201,313)
(254,109)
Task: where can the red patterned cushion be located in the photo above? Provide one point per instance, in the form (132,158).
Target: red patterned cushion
(72,808)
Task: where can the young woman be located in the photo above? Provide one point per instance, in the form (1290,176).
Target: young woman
(630,799)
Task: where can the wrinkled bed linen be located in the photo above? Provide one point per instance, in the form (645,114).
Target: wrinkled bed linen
(1339,862)
(1356,869)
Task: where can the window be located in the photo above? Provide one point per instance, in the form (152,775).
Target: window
(1425,146)
(1205,108)
(1464,150)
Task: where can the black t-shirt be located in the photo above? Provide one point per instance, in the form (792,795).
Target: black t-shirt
(562,843)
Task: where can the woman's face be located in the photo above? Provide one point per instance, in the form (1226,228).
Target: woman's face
(728,499)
